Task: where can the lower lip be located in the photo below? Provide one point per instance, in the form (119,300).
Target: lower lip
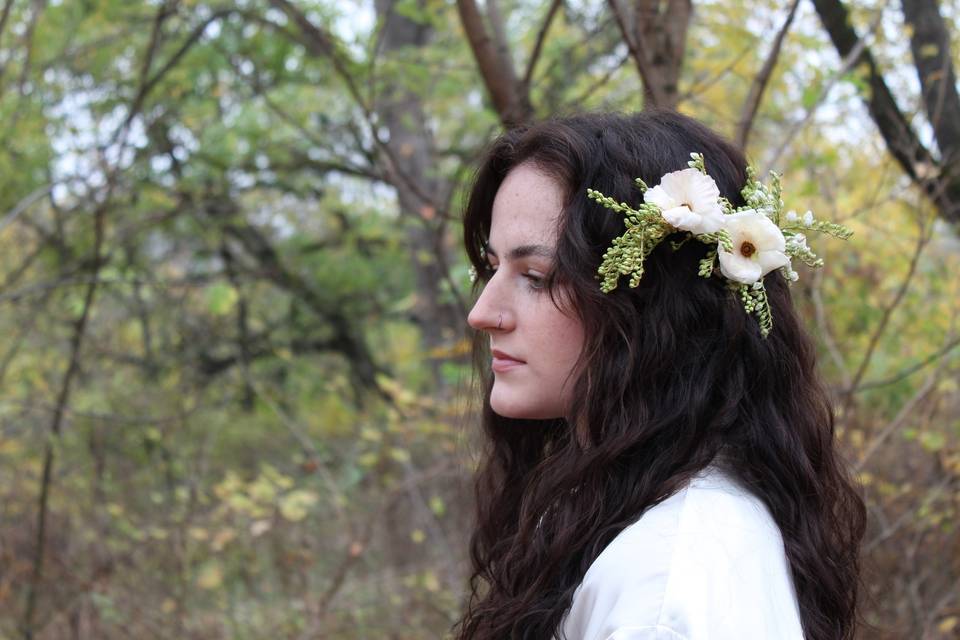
(501,365)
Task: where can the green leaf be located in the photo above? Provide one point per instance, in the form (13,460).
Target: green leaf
(221,298)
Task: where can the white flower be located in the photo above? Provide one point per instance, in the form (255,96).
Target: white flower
(688,201)
(808,218)
(758,247)
(791,216)
(797,241)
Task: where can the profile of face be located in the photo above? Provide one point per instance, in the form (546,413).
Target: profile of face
(535,344)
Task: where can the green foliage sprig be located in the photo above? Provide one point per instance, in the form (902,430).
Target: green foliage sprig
(748,241)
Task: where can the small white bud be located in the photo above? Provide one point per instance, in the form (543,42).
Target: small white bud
(797,241)
(808,218)
(791,216)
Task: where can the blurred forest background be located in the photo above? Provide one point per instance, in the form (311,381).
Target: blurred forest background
(234,375)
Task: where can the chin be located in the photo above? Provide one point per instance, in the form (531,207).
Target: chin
(510,408)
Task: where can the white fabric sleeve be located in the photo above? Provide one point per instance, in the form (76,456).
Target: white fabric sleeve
(658,632)
(706,564)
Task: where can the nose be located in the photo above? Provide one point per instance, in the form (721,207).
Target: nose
(488,312)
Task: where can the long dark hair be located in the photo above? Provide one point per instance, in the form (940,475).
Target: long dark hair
(674,375)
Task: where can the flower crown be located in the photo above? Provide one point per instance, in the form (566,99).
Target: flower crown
(750,241)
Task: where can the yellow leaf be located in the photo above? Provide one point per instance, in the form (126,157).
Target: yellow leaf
(948,624)
(459,348)
(296,505)
(400,455)
(371,435)
(368,459)
(210,576)
(198,533)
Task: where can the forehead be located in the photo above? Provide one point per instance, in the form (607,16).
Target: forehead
(525,209)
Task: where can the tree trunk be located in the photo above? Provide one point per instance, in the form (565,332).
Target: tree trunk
(663,27)
(509,93)
(411,157)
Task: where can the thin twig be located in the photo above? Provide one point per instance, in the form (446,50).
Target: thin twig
(845,66)
(538,45)
(822,323)
(902,415)
(57,421)
(923,238)
(24,204)
(752,104)
(912,369)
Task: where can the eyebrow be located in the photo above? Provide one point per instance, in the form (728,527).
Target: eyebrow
(523,251)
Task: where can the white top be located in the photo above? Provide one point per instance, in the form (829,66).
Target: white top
(705,564)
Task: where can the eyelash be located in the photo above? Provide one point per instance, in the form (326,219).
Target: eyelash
(535,282)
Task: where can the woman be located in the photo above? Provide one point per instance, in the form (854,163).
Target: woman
(660,462)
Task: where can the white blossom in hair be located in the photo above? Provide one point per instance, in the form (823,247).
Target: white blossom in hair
(688,200)
(758,247)
(749,241)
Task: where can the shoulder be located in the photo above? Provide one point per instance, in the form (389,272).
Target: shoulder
(710,557)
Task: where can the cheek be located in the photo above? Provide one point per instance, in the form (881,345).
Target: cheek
(562,337)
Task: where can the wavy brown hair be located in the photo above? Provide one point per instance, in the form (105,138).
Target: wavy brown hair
(673,375)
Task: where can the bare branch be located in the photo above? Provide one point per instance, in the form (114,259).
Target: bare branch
(538,45)
(901,140)
(923,238)
(8,5)
(912,369)
(846,64)
(321,44)
(891,427)
(79,331)
(510,97)
(824,326)
(150,84)
(760,81)
(24,204)
(930,45)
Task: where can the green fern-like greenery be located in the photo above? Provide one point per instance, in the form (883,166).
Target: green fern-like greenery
(646,228)
(754,297)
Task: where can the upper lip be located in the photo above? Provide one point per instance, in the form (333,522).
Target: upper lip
(504,356)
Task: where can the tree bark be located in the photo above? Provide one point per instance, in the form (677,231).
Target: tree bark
(930,46)
(411,149)
(408,160)
(663,26)
(940,182)
(510,94)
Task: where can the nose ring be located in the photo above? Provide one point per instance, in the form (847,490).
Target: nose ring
(500,322)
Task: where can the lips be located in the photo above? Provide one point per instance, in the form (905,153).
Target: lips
(503,362)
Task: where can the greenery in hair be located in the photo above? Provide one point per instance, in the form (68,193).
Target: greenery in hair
(646,226)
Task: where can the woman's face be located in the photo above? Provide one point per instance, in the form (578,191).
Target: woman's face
(538,342)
